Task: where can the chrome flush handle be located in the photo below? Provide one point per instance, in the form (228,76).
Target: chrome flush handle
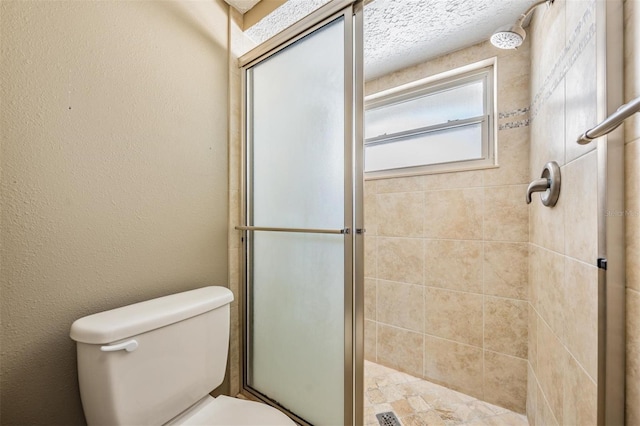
(129,346)
(549,184)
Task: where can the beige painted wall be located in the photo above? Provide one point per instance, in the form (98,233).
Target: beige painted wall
(446,253)
(632,206)
(114,176)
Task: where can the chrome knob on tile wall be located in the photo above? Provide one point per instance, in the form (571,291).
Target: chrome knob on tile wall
(548,184)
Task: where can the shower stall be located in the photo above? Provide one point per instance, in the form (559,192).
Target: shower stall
(457,280)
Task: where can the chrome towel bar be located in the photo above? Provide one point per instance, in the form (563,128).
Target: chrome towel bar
(302,230)
(611,122)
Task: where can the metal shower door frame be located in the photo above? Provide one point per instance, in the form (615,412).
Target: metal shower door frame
(351,11)
(611,240)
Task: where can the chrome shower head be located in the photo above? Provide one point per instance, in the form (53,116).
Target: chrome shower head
(512,36)
(508,37)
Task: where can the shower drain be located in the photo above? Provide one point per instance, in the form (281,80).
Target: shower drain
(388,419)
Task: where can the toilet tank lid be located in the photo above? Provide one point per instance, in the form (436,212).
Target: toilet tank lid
(127,321)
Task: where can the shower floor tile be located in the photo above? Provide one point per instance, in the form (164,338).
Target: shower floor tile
(417,402)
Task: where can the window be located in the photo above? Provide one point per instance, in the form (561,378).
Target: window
(443,124)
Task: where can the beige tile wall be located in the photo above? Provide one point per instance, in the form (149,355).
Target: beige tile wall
(563,280)
(446,255)
(632,187)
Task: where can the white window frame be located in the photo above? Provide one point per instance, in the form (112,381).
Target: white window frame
(485,70)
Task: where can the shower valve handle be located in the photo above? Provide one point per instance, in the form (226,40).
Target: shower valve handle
(549,183)
(538,185)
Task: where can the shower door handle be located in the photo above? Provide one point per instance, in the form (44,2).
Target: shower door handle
(297,230)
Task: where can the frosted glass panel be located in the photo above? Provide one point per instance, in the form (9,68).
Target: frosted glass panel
(298,323)
(457,103)
(298,134)
(457,144)
(296,180)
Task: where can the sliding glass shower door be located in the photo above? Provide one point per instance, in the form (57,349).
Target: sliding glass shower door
(299,239)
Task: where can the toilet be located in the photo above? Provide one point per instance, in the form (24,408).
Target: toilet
(155,362)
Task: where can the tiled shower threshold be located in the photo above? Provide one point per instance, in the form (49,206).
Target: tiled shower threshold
(416,402)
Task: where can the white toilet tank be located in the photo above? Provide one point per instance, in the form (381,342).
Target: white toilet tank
(169,353)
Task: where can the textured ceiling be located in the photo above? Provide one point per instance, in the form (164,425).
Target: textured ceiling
(401,33)
(281,18)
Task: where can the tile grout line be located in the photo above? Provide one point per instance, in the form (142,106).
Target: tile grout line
(564,346)
(484,199)
(423,350)
(376,277)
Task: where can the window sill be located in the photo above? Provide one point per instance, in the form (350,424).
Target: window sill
(426,170)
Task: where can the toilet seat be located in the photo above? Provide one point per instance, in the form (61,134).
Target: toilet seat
(227,411)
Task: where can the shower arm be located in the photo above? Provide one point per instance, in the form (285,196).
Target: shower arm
(522,17)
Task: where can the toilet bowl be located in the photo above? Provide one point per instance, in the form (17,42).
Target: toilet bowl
(227,411)
(155,362)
